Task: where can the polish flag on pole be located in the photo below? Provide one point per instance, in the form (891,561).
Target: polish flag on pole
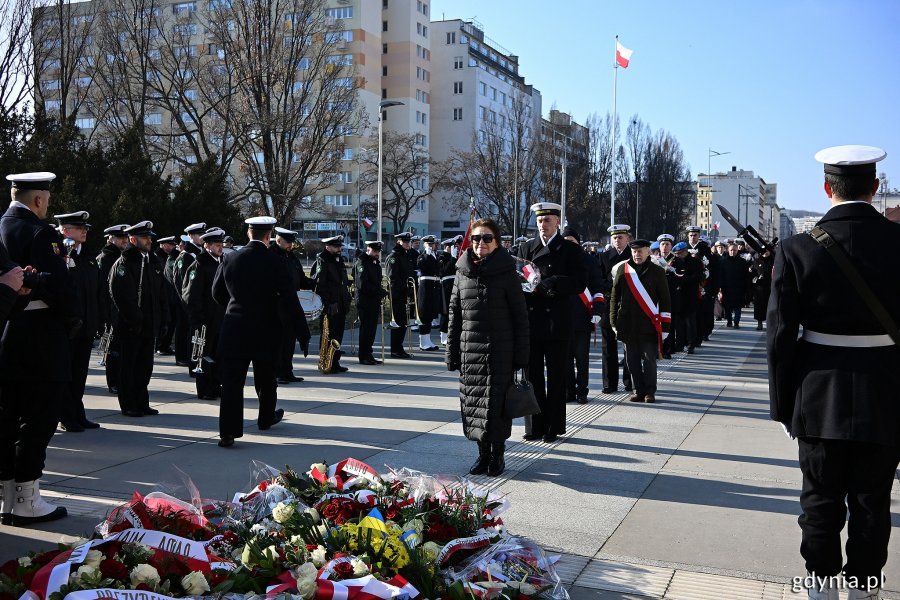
(367,222)
(623,55)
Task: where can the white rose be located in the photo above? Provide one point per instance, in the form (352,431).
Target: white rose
(297,540)
(416,524)
(85,571)
(270,553)
(94,558)
(318,556)
(247,557)
(323,531)
(194,583)
(359,567)
(25,561)
(305,571)
(307,588)
(144,573)
(320,467)
(314,514)
(282,512)
(376,486)
(258,530)
(431,550)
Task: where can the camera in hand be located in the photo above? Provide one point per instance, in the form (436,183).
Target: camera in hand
(35,281)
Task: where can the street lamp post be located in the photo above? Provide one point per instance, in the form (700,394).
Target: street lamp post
(381,106)
(746,196)
(709,190)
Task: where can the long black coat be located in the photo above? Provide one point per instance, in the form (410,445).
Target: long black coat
(487,339)
(734,277)
(835,392)
(138,293)
(762,286)
(85,276)
(581,313)
(429,293)
(563,277)
(108,256)
(687,278)
(197,296)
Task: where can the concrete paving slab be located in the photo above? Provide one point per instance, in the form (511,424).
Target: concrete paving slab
(627,578)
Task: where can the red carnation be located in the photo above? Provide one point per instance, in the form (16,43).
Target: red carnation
(113,569)
(10,568)
(344,570)
(263,486)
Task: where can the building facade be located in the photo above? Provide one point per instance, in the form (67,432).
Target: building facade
(748,197)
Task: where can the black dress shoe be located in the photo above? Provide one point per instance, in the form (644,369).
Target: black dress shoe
(208,397)
(609,390)
(550,438)
(226,441)
(530,437)
(133,413)
(369,361)
(291,377)
(340,369)
(582,399)
(401,355)
(690,350)
(279,415)
(71,427)
(113,390)
(89,424)
(627,388)
(181,363)
(283,381)
(165,352)
(151,412)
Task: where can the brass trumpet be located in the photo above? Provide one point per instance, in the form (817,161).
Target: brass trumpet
(104,346)
(417,321)
(199,344)
(393,324)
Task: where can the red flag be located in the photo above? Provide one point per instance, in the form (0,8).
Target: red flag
(473,216)
(623,55)
(367,222)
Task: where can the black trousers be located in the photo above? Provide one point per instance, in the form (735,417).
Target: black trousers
(29,412)
(398,303)
(368,324)
(838,475)
(550,393)
(640,356)
(577,364)
(610,360)
(684,325)
(234,376)
(135,370)
(207,382)
(170,316)
(287,344)
(705,317)
(113,360)
(72,409)
(182,334)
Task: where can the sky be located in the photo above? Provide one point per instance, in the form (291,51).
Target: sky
(771,82)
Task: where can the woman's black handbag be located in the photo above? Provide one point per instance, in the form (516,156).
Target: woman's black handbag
(520,398)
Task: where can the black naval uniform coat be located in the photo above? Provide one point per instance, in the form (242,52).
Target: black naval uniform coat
(85,275)
(448,275)
(333,287)
(288,337)
(254,285)
(136,286)
(369,294)
(35,355)
(400,269)
(108,256)
(563,276)
(608,259)
(429,292)
(203,310)
(839,401)
(182,328)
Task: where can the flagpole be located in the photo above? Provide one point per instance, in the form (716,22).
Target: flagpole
(612,202)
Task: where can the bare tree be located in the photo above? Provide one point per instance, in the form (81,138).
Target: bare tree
(502,167)
(16,54)
(65,56)
(296,97)
(409,175)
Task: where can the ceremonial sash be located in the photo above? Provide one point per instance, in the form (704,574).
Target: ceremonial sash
(646,302)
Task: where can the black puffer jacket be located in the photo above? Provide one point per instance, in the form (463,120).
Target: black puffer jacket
(488,337)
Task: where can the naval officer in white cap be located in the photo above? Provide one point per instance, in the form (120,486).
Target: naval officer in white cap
(834,387)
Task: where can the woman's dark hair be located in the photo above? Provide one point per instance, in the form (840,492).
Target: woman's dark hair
(490,224)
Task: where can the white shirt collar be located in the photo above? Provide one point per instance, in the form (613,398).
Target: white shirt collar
(547,243)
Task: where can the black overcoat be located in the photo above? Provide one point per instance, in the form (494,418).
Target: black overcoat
(197,296)
(136,285)
(734,278)
(487,339)
(835,392)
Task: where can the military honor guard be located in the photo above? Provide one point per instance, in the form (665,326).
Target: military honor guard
(400,270)
(116,242)
(415,243)
(685,276)
(136,286)
(369,295)
(619,251)
(253,284)
(285,239)
(833,384)
(193,246)
(639,310)
(447,260)
(429,295)
(35,354)
(85,276)
(167,253)
(549,316)
(699,249)
(333,287)
(205,315)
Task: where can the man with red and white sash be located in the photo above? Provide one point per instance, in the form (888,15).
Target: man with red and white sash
(640,313)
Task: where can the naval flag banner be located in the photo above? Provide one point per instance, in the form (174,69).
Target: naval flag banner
(623,55)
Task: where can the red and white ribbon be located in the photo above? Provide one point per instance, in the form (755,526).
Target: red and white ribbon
(467,543)
(346,474)
(646,302)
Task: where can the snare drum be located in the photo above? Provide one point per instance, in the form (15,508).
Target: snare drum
(311,303)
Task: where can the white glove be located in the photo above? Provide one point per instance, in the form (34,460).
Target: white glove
(787,431)
(705,261)
(666,335)
(705,273)
(595,319)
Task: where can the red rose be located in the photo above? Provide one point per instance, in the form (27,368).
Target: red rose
(217,576)
(231,537)
(113,569)
(143,587)
(10,568)
(392,513)
(330,510)
(340,519)
(169,566)
(311,547)
(344,570)
(45,557)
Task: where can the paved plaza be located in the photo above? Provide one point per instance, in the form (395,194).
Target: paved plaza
(695,496)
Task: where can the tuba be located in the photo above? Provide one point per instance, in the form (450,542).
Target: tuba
(327,348)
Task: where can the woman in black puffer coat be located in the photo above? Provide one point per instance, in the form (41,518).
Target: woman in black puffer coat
(487,341)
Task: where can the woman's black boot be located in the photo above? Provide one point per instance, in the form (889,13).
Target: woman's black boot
(497,464)
(480,467)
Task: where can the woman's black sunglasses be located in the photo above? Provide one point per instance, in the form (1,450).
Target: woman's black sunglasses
(487,238)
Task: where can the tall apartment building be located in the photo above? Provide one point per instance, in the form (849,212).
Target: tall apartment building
(475,83)
(568,143)
(742,193)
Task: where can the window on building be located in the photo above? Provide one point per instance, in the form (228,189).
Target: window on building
(384,48)
(334,37)
(425,31)
(473,62)
(384,25)
(420,204)
(182,51)
(345,12)
(348,154)
(457,62)
(82,82)
(457,87)
(482,87)
(51,105)
(85,123)
(383,93)
(342,60)
(425,9)
(185,29)
(457,114)
(346,176)
(384,4)
(339,200)
(451,37)
(153,119)
(184,7)
(153,53)
(421,139)
(190,94)
(384,70)
(303,64)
